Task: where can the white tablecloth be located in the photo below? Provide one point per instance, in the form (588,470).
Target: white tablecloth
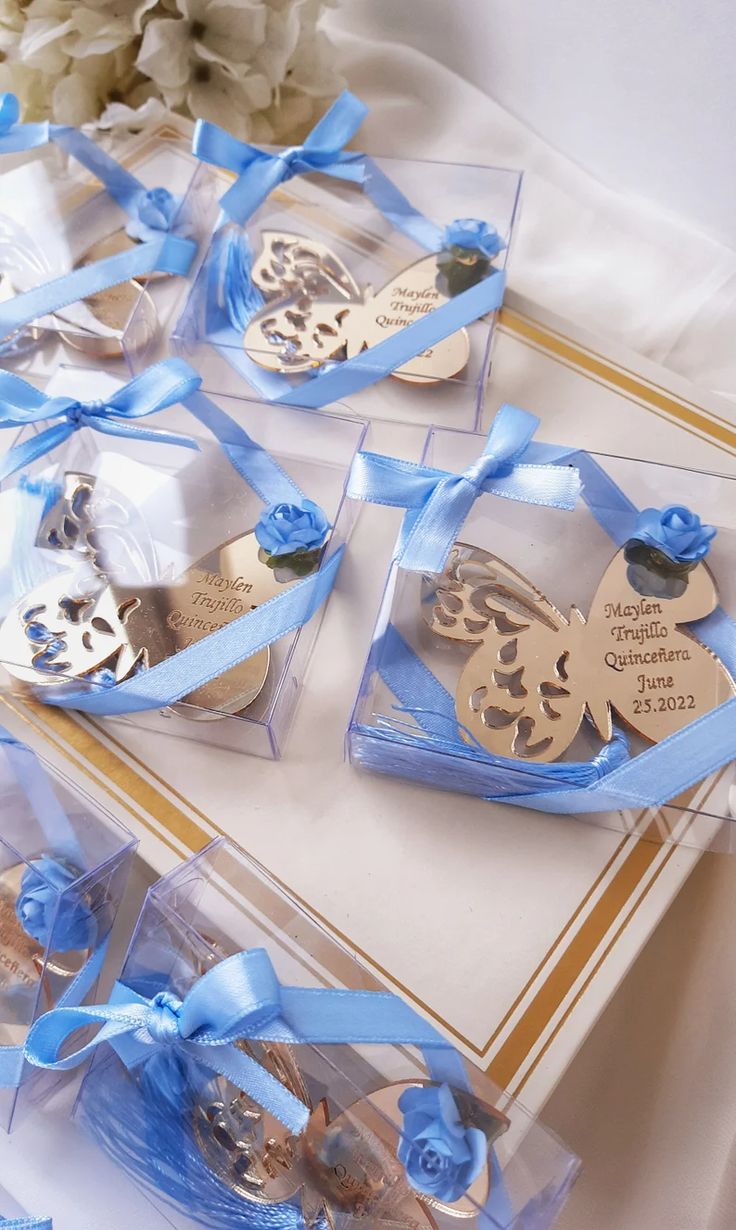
(650,1101)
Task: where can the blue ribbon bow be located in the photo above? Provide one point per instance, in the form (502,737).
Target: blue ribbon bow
(21,404)
(240,998)
(259,171)
(439,502)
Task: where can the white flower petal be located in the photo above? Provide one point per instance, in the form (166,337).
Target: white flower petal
(41,44)
(119,117)
(164,53)
(96,33)
(75,99)
(221,99)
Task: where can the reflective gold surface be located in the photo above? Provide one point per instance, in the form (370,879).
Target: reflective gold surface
(533,674)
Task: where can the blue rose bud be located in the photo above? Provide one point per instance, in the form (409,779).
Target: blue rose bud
(157,208)
(442,1157)
(676,532)
(287,529)
(474,234)
(49,914)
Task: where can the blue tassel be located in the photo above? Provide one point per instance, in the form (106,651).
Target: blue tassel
(240,298)
(152,1138)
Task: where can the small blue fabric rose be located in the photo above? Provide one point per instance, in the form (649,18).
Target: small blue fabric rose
(46,915)
(441,1156)
(284,529)
(475,234)
(157,208)
(675,531)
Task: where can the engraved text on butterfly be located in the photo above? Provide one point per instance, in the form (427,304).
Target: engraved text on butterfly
(534,674)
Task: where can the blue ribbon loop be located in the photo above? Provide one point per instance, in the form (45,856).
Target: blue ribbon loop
(14,136)
(241,998)
(439,502)
(21,404)
(259,171)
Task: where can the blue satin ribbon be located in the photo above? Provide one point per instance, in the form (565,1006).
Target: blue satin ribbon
(168,254)
(438,502)
(124,188)
(364,369)
(27,1223)
(14,136)
(241,998)
(160,386)
(260,171)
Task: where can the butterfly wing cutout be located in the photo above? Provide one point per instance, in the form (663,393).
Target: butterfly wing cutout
(300,333)
(314,308)
(519,692)
(289,265)
(67,630)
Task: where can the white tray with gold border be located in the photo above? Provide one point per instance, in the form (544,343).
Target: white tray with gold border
(511,931)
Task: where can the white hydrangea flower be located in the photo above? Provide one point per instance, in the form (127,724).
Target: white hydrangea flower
(258,67)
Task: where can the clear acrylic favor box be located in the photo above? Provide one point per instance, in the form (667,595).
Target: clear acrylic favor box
(157,542)
(216,1154)
(424,695)
(64,862)
(317,225)
(56,216)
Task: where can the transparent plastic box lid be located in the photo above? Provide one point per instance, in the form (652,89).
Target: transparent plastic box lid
(55,216)
(350,1160)
(654,671)
(370,283)
(170,532)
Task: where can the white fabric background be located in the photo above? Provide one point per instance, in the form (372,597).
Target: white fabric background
(650,1101)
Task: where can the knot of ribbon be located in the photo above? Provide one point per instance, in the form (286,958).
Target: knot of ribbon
(240,998)
(259,171)
(438,502)
(160,386)
(164,1017)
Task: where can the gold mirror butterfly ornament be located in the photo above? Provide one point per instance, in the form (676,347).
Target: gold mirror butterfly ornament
(346,1164)
(533,674)
(85,627)
(316,313)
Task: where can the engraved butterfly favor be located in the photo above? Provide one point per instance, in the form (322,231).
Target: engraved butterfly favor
(534,674)
(316,313)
